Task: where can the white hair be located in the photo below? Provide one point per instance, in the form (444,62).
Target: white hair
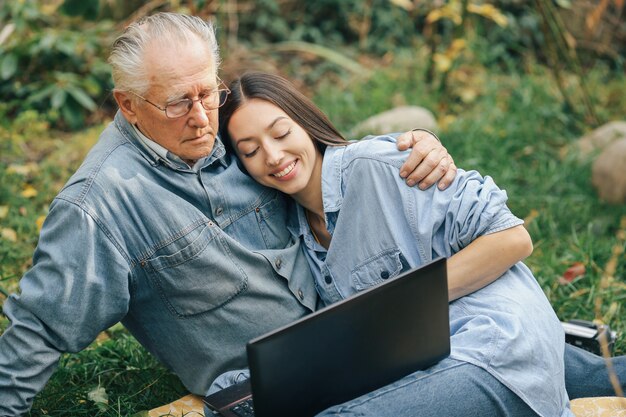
(128,51)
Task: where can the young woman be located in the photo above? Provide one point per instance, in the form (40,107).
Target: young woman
(501,323)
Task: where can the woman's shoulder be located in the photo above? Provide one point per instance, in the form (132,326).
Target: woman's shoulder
(380,148)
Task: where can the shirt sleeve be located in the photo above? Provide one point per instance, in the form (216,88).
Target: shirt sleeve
(77,287)
(441,223)
(474,206)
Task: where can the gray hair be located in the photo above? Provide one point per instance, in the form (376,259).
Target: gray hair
(127,53)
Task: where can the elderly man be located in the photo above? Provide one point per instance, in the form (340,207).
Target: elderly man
(160,229)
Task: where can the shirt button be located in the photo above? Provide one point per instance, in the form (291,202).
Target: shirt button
(384,274)
(300,294)
(257,209)
(219,211)
(328,279)
(278,262)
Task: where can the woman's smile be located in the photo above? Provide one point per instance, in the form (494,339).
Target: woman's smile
(281,175)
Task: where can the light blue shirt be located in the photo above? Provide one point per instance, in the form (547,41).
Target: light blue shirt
(194,263)
(380,227)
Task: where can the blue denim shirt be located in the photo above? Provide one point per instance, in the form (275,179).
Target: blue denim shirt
(380,227)
(194,264)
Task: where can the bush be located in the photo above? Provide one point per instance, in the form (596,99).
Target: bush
(52,63)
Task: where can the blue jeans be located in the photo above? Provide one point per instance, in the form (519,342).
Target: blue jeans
(586,374)
(453,388)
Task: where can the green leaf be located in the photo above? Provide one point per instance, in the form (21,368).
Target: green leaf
(9,66)
(82,98)
(566,4)
(58,98)
(66,46)
(87,9)
(41,94)
(323,52)
(72,115)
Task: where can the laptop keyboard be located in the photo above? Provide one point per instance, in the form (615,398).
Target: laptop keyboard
(243,409)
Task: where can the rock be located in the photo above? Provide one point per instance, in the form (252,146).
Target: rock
(609,172)
(599,138)
(399,119)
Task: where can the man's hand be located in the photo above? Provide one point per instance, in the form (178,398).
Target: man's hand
(428,162)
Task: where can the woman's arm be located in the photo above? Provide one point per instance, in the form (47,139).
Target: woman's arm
(486,259)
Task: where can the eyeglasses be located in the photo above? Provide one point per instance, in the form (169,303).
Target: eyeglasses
(179,108)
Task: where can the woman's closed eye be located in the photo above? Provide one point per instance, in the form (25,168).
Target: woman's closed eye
(251,153)
(283,135)
(248,151)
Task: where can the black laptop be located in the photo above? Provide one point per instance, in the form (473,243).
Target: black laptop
(345,350)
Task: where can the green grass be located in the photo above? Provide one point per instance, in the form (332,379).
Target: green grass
(131,378)
(516,130)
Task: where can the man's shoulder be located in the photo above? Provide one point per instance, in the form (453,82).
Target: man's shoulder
(104,163)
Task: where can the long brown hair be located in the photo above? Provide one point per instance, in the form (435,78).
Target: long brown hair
(280,92)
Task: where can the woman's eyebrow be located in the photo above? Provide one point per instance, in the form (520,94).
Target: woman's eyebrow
(276,120)
(271,125)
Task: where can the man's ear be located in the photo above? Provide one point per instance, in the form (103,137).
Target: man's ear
(126,105)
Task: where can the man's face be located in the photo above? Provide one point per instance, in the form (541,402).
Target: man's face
(176,72)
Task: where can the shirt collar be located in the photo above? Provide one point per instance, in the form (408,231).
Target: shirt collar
(298,225)
(165,154)
(158,152)
(332,192)
(332,195)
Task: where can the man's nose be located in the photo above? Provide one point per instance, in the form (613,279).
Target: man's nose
(198,115)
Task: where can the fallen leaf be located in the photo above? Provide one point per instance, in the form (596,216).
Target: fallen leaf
(575,270)
(579,293)
(39,222)
(29,191)
(22,169)
(99,396)
(442,62)
(4,211)
(468,94)
(9,234)
(447,120)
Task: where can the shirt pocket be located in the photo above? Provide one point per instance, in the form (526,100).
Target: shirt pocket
(272,215)
(196,272)
(377,269)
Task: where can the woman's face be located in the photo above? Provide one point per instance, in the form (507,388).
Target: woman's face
(275,150)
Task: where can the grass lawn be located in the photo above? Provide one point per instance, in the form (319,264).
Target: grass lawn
(513,127)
